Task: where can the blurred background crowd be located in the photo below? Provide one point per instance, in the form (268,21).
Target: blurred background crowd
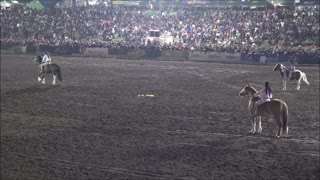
(270,30)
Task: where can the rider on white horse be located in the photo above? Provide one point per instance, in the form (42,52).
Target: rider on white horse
(265,94)
(46,59)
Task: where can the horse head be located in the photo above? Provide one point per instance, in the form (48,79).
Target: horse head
(276,67)
(247,90)
(38,59)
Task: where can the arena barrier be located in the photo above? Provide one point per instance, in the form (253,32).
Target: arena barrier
(214,56)
(283,58)
(30,49)
(122,51)
(153,53)
(143,53)
(130,53)
(174,55)
(96,52)
(60,50)
(24,49)
(308,59)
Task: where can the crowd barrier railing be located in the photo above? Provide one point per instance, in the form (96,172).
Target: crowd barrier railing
(154,53)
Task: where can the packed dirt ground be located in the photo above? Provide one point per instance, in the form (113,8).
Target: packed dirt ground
(147,119)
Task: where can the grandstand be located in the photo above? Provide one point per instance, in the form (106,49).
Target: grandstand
(228,26)
(156,4)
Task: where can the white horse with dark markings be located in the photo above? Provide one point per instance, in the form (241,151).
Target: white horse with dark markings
(297,75)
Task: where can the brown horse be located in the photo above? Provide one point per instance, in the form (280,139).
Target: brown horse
(275,107)
(296,75)
(47,69)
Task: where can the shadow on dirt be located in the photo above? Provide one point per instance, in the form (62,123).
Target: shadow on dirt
(29,90)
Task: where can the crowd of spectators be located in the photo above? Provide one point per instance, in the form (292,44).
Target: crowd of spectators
(267,30)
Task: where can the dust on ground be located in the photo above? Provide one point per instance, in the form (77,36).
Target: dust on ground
(100,123)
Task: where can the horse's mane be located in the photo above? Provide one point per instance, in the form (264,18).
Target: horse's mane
(251,89)
(255,99)
(277,66)
(38,59)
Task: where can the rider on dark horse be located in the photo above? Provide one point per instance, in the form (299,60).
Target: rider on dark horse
(46,67)
(46,59)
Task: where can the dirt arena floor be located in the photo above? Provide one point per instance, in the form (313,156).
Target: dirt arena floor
(100,123)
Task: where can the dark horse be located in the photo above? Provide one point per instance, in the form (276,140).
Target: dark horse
(47,69)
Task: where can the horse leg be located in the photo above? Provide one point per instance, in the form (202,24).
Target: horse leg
(253,125)
(43,81)
(259,124)
(278,121)
(40,76)
(54,80)
(298,85)
(284,85)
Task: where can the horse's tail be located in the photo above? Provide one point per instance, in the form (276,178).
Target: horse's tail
(59,74)
(304,78)
(285,118)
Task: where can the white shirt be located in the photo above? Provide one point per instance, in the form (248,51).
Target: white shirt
(263,94)
(46,59)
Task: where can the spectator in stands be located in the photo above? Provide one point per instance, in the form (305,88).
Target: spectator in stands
(227,30)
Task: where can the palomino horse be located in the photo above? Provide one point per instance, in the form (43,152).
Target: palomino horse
(275,107)
(296,75)
(48,68)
